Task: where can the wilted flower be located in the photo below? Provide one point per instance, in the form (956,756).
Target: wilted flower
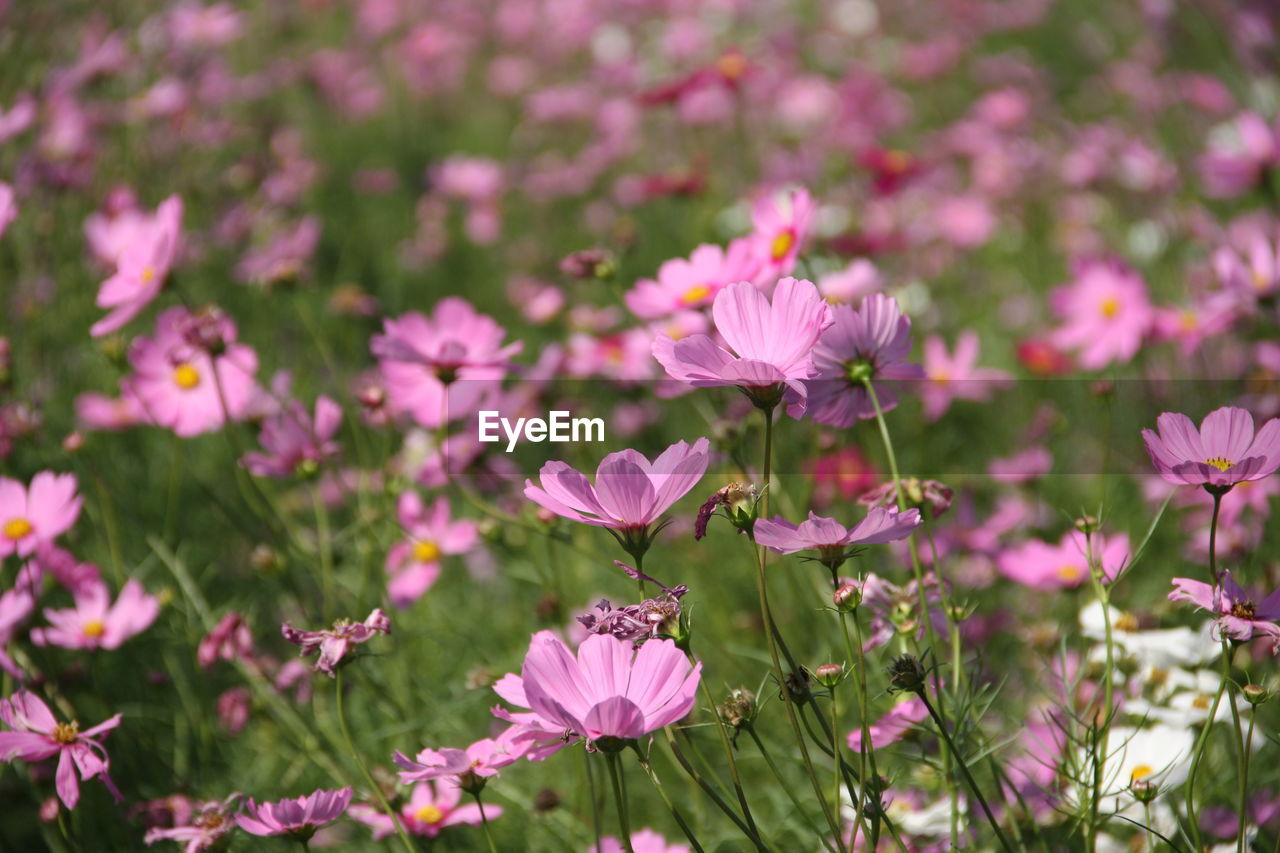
(917,492)
(638,622)
(204,830)
(333,643)
(229,640)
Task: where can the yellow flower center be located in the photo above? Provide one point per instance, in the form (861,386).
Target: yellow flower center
(942,377)
(1069,572)
(16,528)
(1200,703)
(426,552)
(1141,772)
(94,628)
(185,376)
(429,814)
(1260,282)
(1127,622)
(148,273)
(695,294)
(896,162)
(781,245)
(66,732)
(1110,307)
(1220,462)
(1190,320)
(1244,610)
(731,66)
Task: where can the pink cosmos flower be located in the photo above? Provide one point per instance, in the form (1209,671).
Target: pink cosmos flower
(872,341)
(229,640)
(771,344)
(8,207)
(896,609)
(856,280)
(1237,614)
(467,767)
(423,358)
(956,377)
(1223,452)
(33,517)
(180,384)
(296,443)
(529,734)
(1253,273)
(1239,155)
(644,841)
(414,563)
(16,605)
(299,817)
(36,735)
(833,540)
(201,831)
(431,807)
(630,492)
(609,690)
(693,283)
(780,226)
(1105,313)
(892,726)
(99,412)
(95,623)
(333,643)
(141,268)
(1041,565)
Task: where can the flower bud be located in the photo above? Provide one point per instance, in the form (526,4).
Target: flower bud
(1255,694)
(1087,524)
(829,674)
(847,597)
(906,673)
(1143,791)
(264,558)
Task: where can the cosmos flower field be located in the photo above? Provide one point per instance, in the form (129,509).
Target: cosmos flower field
(639,426)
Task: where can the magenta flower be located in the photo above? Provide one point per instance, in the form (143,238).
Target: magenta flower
(141,268)
(780,226)
(644,841)
(1239,155)
(16,605)
(33,517)
(334,643)
(1105,313)
(609,691)
(174,380)
(529,734)
(36,735)
(683,284)
(229,640)
(892,726)
(630,492)
(955,376)
(770,343)
(832,539)
(423,358)
(432,807)
(96,623)
(1223,452)
(1237,614)
(468,768)
(872,342)
(299,817)
(201,831)
(414,563)
(1041,565)
(296,443)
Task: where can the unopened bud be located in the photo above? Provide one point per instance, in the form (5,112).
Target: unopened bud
(264,558)
(1255,694)
(1143,791)
(829,674)
(1087,524)
(847,597)
(906,673)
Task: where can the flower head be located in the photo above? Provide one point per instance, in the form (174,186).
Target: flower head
(832,539)
(422,358)
(609,692)
(955,376)
(869,343)
(142,265)
(1238,615)
(34,516)
(630,492)
(1105,313)
(299,817)
(1223,452)
(1042,565)
(333,643)
(468,768)
(36,735)
(201,831)
(414,563)
(432,806)
(96,623)
(296,444)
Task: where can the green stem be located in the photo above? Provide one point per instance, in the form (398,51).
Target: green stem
(964,770)
(790,792)
(1100,741)
(1244,781)
(728,752)
(624,821)
(767,616)
(484,822)
(836,763)
(708,789)
(325,545)
(595,797)
(675,812)
(368,777)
